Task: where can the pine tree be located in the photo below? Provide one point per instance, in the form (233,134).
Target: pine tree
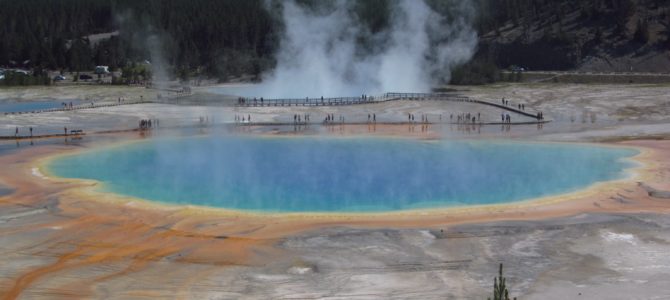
(499,288)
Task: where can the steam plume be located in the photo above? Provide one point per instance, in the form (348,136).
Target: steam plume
(320,54)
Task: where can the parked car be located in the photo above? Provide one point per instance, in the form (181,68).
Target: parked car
(101,70)
(85,77)
(59,78)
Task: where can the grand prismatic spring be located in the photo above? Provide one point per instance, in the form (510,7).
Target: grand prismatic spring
(349,149)
(312,174)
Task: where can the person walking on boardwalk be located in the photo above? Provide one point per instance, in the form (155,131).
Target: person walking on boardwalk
(374,118)
(17,132)
(31,132)
(65,129)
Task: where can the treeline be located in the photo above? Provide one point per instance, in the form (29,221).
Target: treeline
(226,38)
(213,37)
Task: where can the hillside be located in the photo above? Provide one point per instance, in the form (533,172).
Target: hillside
(605,35)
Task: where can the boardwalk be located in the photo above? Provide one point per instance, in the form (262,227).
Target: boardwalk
(260,102)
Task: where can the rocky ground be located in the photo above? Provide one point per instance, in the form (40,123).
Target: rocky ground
(589,256)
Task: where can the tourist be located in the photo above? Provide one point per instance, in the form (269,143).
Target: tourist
(31,132)
(368,118)
(374,118)
(17,132)
(65,129)
(249,118)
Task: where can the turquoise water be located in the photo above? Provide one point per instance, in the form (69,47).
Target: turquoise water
(311,174)
(11,107)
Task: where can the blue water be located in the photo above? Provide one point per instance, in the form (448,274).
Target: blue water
(342,174)
(31,106)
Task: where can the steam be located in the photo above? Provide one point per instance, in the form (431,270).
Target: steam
(144,38)
(158,64)
(319,54)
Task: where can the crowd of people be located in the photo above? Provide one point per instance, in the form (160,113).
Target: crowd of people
(242,100)
(506,118)
(298,119)
(466,118)
(148,124)
(330,118)
(67,105)
(519,106)
(242,119)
